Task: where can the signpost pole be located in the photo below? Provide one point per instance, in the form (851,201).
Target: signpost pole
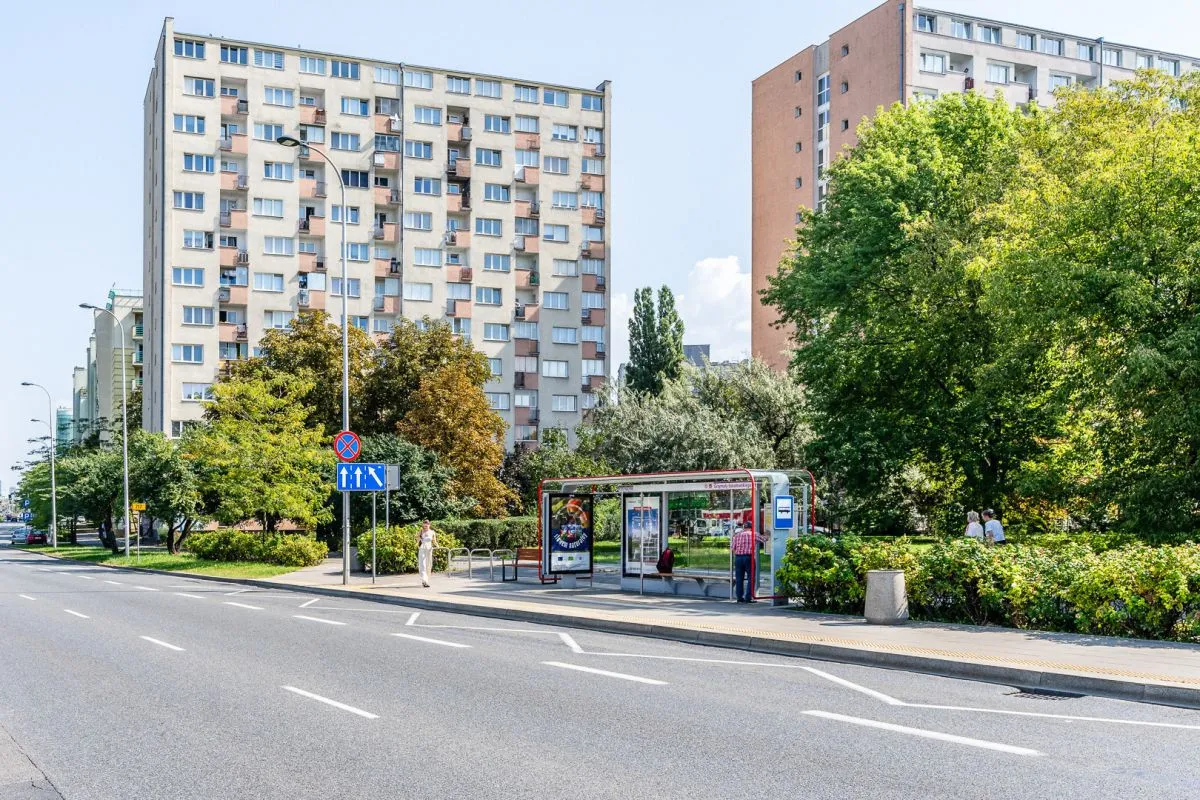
(642,544)
(374,504)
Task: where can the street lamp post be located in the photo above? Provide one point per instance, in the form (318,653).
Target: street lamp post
(291,141)
(124,417)
(53,479)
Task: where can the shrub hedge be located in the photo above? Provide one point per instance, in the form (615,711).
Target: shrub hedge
(1129,590)
(292,550)
(396,548)
(510,532)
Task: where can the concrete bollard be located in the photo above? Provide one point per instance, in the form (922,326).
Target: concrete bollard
(887,598)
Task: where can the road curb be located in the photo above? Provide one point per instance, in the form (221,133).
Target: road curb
(1015,676)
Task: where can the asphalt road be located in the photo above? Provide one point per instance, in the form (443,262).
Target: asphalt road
(117,684)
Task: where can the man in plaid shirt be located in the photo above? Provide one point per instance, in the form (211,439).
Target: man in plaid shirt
(744,545)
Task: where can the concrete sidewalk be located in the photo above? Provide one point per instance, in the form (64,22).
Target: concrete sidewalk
(1131,669)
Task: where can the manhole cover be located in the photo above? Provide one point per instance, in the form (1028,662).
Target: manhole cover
(1042,694)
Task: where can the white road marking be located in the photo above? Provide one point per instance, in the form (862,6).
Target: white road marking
(238,591)
(193,596)
(329,702)
(606,673)
(925,734)
(412,618)
(146,588)
(161,643)
(431,641)
(27,597)
(115,583)
(308,603)
(570,642)
(891,701)
(1067,717)
(243,605)
(191,585)
(318,619)
(85,577)
(76,614)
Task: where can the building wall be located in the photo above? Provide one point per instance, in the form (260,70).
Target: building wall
(154,288)
(110,350)
(391,281)
(871,70)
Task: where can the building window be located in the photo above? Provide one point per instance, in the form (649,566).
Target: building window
(1144,61)
(191,201)
(933,62)
(344,69)
(355,106)
(593,135)
(268,282)
(352,214)
(845,50)
(278,96)
(592,266)
(279,171)
(593,333)
(356,251)
(526,364)
(427,115)
(525,226)
(845,124)
(356,178)
(487,88)
(960,29)
(264,132)
(418,220)
(388,75)
(198,315)
(1026,41)
(456,85)
(461,326)
(555,369)
(799,182)
(310,65)
(187,48)
(268,59)
(845,87)
(555,233)
(198,240)
(383,325)
(592,199)
(989,34)
(278,245)
(591,102)
(797,76)
(312,134)
(417,79)
(353,284)
(1085,51)
(563,402)
(1112,57)
(495,332)
(496,192)
(927,23)
(420,292)
(427,257)
(344,141)
(199,87)
(197,163)
(797,111)
(593,367)
(278,320)
(525,94)
(525,330)
(486,157)
(1059,81)
(591,300)
(556,165)
(1169,66)
(568,200)
(187,123)
(560,301)
(431,186)
(564,335)
(1051,46)
(497,401)
(197,392)
(554,97)
(998,73)
(527,158)
(496,124)
(267,207)
(565,268)
(496,262)
(188,353)
(418,149)
(565,133)
(489,296)
(822,90)
(527,124)
(488,227)
(187,276)
(458,291)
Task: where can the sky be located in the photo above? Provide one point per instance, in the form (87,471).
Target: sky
(679,207)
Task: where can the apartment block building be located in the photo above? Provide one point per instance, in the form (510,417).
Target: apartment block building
(807,108)
(473,199)
(97,389)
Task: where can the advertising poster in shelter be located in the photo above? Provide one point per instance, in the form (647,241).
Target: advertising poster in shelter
(570,534)
(643,534)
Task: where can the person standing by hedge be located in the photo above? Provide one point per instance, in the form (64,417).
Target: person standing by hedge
(993,531)
(974,529)
(426,539)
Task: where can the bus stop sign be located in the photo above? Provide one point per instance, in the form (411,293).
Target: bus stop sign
(785,512)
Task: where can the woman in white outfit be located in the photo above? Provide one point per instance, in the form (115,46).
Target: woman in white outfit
(426,539)
(974,529)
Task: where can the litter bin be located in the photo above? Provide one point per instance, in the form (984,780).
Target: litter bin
(887,598)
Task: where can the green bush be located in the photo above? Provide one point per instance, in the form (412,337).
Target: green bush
(294,550)
(492,534)
(1117,590)
(396,548)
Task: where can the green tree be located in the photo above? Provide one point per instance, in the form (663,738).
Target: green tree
(770,401)
(425,484)
(165,475)
(524,470)
(260,458)
(655,341)
(91,482)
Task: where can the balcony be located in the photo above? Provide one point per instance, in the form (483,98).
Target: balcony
(387,267)
(309,262)
(592,250)
(457,239)
(592,383)
(241,333)
(139,330)
(231,106)
(593,351)
(233,295)
(308,152)
(459,168)
(591,150)
(527,209)
(525,347)
(457,133)
(235,143)
(387,304)
(311,189)
(234,257)
(591,183)
(525,380)
(460,309)
(386,159)
(386,197)
(234,219)
(387,232)
(456,273)
(303,298)
(526,244)
(311,226)
(529,141)
(593,316)
(527,278)
(234,182)
(388,124)
(527,175)
(526,312)
(456,203)
(138,357)
(312,115)
(593,216)
(593,283)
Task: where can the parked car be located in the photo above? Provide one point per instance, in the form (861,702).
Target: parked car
(20,536)
(37,537)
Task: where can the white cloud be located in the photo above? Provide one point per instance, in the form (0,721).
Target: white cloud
(714,304)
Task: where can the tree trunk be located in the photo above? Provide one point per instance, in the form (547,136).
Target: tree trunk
(171,547)
(183,534)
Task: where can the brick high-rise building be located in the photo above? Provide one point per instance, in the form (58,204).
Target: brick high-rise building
(806,109)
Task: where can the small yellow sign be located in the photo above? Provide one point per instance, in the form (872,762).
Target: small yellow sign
(137,506)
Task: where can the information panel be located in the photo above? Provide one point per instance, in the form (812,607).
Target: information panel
(570,534)
(643,534)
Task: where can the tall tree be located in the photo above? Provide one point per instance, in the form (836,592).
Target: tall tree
(773,402)
(165,475)
(655,341)
(425,490)
(670,336)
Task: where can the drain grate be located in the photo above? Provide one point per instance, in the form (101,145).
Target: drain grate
(1042,694)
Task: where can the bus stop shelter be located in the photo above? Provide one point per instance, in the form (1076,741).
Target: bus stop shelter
(695,514)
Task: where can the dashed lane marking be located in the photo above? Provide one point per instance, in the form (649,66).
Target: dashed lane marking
(442,642)
(161,643)
(925,734)
(76,614)
(605,673)
(318,619)
(328,702)
(243,605)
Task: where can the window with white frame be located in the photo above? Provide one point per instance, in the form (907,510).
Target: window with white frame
(278,319)
(563,402)
(198,240)
(268,282)
(1112,58)
(457,85)
(525,124)
(191,201)
(556,300)
(193,162)
(525,226)
(418,79)
(418,220)
(353,214)
(278,245)
(427,257)
(188,123)
(960,29)
(592,333)
(357,251)
(488,296)
(279,96)
(268,207)
(525,94)
(495,332)
(461,326)
(565,200)
(592,166)
(1169,66)
(488,227)
(187,353)
(1026,41)
(388,75)
(356,106)
(189,48)
(458,291)
(927,23)
(311,65)
(494,123)
(431,186)
(591,102)
(344,69)
(344,141)
(383,325)
(933,62)
(525,364)
(232,54)
(592,300)
(564,335)
(998,73)
(496,262)
(413,149)
(556,165)
(592,266)
(555,97)
(565,268)
(593,233)
(555,233)
(525,330)
(1052,46)
(564,133)
(387,287)
(279,170)
(487,157)
(590,401)
(593,135)
(420,292)
(496,192)
(312,134)
(497,401)
(593,368)
(1085,51)
(487,88)
(268,59)
(199,87)
(197,392)
(354,285)
(496,367)
(387,143)
(1059,81)
(555,369)
(187,276)
(267,132)
(198,315)
(989,34)
(427,115)
(527,158)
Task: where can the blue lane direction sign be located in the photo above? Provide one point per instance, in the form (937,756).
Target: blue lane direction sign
(347,446)
(785,512)
(361,477)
